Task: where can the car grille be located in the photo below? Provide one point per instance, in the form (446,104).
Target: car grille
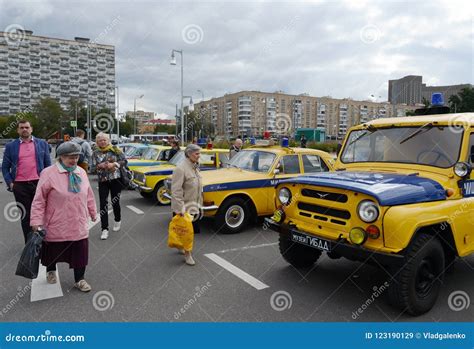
(323,213)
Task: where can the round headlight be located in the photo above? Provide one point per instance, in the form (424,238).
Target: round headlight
(462,169)
(284,195)
(368,211)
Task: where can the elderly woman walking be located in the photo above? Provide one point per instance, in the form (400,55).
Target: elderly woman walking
(186,186)
(109,159)
(62,205)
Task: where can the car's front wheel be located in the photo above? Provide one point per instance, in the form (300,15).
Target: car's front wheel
(415,286)
(232,216)
(296,254)
(158,194)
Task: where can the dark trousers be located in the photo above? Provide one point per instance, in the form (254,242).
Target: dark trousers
(196,226)
(114,187)
(78,272)
(24,193)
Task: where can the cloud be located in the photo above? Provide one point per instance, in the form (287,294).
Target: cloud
(337,48)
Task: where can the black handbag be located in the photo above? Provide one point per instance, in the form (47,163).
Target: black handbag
(28,265)
(125,176)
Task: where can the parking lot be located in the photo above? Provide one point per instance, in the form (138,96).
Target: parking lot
(242,277)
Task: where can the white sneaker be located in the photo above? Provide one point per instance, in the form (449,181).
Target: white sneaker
(117,226)
(105,234)
(189,259)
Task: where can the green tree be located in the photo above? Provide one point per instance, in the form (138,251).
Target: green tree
(126,128)
(49,117)
(169,129)
(462,102)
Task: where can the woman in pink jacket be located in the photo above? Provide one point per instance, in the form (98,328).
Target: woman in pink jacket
(62,205)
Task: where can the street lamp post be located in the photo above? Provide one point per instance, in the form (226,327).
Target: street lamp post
(115,93)
(173,62)
(191,107)
(135,113)
(200,109)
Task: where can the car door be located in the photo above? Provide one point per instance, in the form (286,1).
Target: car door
(466,218)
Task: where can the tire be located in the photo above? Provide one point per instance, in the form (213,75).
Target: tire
(233,216)
(296,254)
(415,286)
(158,194)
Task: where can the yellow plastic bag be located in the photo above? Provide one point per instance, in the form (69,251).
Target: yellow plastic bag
(181,233)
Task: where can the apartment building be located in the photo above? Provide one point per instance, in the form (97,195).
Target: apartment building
(251,113)
(33,67)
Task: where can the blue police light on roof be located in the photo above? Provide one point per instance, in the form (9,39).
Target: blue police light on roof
(437,99)
(285,142)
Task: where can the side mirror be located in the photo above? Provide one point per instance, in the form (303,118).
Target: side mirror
(472,154)
(276,171)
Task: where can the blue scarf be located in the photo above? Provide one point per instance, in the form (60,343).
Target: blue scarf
(74,179)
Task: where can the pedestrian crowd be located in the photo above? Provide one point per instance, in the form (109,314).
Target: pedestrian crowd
(57,198)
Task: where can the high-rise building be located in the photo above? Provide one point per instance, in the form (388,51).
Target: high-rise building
(251,113)
(405,90)
(33,67)
(410,90)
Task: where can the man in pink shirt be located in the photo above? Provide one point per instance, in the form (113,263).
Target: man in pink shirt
(23,160)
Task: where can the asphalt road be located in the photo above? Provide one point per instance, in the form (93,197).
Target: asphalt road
(136,277)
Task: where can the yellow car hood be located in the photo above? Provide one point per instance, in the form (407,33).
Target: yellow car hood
(155,170)
(231,175)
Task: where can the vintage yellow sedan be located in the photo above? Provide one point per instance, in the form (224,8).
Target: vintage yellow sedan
(245,190)
(149,180)
(154,155)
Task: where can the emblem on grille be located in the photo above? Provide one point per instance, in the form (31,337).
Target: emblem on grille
(322,196)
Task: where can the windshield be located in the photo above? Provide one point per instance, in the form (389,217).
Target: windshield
(135,151)
(150,154)
(428,145)
(177,158)
(253,160)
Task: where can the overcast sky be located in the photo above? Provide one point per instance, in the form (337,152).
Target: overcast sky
(336,48)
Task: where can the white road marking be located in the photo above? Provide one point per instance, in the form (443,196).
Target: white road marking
(237,271)
(41,290)
(134,209)
(247,247)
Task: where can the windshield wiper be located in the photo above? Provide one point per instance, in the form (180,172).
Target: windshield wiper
(417,132)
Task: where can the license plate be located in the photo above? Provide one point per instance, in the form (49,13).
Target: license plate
(311,241)
(468,188)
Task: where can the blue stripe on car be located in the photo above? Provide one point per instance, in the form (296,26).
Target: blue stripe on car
(259,183)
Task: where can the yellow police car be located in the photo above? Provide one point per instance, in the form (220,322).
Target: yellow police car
(244,190)
(149,180)
(402,197)
(154,155)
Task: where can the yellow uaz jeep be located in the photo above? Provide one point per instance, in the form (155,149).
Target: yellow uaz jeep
(402,197)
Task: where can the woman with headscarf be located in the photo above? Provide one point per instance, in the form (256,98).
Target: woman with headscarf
(62,205)
(109,159)
(186,186)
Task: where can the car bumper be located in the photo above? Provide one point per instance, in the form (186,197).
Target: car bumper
(203,208)
(342,248)
(141,187)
